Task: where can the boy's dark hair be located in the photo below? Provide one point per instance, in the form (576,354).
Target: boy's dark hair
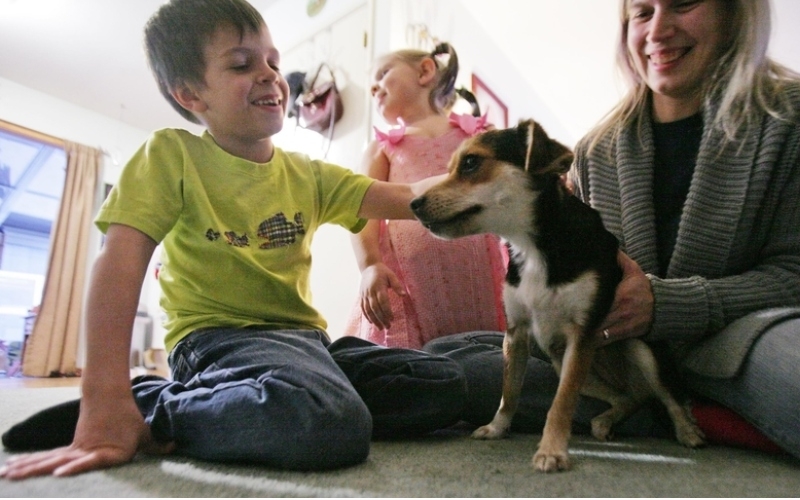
(176,36)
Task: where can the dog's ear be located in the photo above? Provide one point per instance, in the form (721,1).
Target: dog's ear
(543,155)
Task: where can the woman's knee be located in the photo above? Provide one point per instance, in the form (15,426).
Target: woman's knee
(422,393)
(766,391)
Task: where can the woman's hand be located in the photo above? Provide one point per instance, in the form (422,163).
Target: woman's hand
(376,281)
(631,314)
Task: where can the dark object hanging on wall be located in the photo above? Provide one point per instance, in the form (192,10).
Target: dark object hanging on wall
(320,106)
(316,104)
(297,86)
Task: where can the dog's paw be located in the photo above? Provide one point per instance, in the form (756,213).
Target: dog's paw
(551,461)
(690,435)
(687,431)
(489,431)
(601,428)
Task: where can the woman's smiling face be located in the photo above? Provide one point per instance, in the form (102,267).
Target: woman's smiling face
(674,46)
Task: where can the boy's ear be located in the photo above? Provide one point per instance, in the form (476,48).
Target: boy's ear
(427,71)
(186,96)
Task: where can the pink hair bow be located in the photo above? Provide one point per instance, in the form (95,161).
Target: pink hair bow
(392,137)
(468,123)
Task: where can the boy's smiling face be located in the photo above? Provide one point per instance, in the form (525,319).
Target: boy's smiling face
(243,99)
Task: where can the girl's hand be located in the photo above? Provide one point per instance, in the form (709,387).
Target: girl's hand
(376,281)
(105,437)
(631,313)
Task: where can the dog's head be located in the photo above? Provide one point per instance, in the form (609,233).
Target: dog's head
(494,180)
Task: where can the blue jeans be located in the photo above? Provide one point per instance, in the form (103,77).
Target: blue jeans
(480,355)
(291,399)
(766,391)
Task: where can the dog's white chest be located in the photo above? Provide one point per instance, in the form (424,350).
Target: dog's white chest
(548,308)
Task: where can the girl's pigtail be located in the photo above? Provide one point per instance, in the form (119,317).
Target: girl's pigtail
(471,99)
(443,95)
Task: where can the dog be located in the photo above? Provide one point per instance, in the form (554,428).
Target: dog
(561,280)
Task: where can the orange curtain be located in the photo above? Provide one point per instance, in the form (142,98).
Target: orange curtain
(52,347)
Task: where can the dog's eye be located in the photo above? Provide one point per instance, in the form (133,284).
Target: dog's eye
(470,164)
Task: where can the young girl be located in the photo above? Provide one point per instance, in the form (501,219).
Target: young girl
(414,286)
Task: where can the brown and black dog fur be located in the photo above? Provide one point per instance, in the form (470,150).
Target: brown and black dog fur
(561,280)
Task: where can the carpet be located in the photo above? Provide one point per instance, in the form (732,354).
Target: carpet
(445,464)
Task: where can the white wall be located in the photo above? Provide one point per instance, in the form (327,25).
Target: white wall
(335,277)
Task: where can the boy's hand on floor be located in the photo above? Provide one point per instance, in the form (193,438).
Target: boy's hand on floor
(103,439)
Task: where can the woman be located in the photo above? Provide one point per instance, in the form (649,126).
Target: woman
(697,173)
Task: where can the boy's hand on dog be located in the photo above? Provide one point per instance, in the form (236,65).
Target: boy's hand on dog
(631,313)
(376,281)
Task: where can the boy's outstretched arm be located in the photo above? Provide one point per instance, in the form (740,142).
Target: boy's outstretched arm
(389,200)
(377,279)
(110,428)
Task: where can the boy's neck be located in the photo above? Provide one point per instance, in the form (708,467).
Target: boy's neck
(258,151)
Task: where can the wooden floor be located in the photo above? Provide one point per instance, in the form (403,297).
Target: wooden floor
(36,382)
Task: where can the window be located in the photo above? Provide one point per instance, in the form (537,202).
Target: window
(32,174)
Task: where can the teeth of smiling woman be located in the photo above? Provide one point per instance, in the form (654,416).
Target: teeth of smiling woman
(267,102)
(667,56)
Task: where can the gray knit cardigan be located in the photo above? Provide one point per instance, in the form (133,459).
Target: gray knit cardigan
(737,254)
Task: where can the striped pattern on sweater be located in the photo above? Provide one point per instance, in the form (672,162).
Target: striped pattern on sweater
(738,244)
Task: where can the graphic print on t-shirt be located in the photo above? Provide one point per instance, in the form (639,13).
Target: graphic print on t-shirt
(278,232)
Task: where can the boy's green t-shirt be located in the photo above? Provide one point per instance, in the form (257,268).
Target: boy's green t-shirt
(236,235)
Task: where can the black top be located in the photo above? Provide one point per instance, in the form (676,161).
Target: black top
(676,146)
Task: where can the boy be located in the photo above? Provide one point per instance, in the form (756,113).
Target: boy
(255,377)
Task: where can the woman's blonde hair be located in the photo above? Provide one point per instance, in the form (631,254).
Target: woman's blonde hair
(745,83)
(443,94)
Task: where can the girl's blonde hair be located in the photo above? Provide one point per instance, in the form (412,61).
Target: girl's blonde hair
(745,83)
(443,94)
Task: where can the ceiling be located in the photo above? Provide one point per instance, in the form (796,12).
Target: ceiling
(89,53)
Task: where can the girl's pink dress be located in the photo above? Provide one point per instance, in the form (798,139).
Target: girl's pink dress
(453,286)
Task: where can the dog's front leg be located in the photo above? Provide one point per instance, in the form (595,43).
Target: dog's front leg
(552,454)
(516,351)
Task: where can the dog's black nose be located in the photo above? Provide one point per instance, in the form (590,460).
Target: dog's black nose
(417,203)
